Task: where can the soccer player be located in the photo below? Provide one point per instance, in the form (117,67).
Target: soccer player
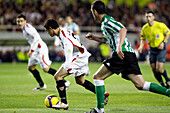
(76,62)
(157,34)
(38,53)
(123,59)
(73,27)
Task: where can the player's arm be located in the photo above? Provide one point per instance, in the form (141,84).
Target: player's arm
(56,42)
(68,51)
(76,30)
(142,43)
(32,32)
(90,36)
(122,34)
(167,35)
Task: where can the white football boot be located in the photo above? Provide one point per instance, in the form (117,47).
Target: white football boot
(40,88)
(95,110)
(60,105)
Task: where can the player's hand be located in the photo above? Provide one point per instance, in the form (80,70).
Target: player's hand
(120,53)
(140,50)
(90,36)
(161,46)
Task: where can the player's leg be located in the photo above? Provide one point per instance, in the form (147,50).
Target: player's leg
(59,77)
(157,74)
(85,83)
(99,77)
(50,70)
(162,71)
(45,64)
(141,84)
(37,76)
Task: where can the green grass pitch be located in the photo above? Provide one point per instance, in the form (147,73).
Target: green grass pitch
(16,95)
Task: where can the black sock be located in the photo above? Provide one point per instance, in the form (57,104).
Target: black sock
(37,77)
(52,71)
(62,90)
(88,85)
(165,75)
(159,78)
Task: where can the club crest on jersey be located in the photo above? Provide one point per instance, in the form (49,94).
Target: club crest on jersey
(61,88)
(157,36)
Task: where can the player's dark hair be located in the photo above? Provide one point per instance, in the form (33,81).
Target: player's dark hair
(21,16)
(51,23)
(150,12)
(99,6)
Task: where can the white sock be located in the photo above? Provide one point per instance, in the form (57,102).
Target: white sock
(98,82)
(146,86)
(102,109)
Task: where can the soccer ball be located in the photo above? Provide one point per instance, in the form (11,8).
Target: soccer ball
(51,100)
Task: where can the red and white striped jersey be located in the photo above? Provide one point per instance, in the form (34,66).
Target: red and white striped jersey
(72,47)
(33,37)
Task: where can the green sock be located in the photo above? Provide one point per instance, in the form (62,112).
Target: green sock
(159,89)
(100,90)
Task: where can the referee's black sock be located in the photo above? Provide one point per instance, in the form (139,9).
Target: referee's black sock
(165,76)
(37,77)
(88,85)
(52,71)
(159,78)
(62,90)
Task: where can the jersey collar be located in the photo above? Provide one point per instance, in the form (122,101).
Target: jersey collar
(105,16)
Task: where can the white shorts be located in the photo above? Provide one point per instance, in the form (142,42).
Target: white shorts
(79,66)
(39,58)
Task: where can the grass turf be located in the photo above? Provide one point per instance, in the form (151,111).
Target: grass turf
(16,95)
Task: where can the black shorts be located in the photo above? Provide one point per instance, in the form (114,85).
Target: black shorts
(128,65)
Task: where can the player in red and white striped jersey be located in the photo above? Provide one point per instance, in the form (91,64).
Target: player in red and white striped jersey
(76,62)
(38,53)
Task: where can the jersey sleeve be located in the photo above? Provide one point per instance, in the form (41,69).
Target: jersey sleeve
(33,32)
(56,41)
(165,29)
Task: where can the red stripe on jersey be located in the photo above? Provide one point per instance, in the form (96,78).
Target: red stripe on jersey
(74,59)
(32,50)
(69,70)
(44,60)
(27,25)
(39,45)
(80,49)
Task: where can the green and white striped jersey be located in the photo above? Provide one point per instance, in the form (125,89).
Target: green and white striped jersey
(110,29)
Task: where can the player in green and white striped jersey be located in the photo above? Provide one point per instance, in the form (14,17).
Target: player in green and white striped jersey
(123,60)
(110,29)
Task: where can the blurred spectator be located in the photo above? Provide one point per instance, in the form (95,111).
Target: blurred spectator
(37,11)
(21,56)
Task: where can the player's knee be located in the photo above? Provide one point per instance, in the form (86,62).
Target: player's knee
(79,82)
(58,77)
(97,77)
(45,70)
(139,86)
(159,70)
(30,69)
